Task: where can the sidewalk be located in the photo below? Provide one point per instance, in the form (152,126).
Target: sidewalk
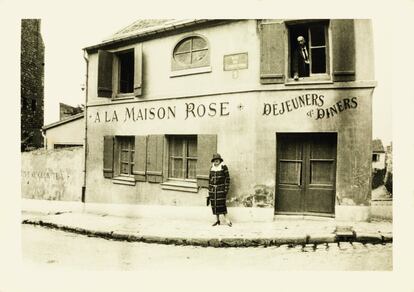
(200,232)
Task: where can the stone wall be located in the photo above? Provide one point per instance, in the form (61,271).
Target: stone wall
(52,174)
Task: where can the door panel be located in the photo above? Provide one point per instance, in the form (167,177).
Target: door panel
(306,168)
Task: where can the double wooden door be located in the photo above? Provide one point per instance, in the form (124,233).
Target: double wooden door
(306,171)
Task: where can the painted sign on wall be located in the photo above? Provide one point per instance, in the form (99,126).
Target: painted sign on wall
(189,110)
(310,100)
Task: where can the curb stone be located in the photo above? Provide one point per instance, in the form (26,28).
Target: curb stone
(330,241)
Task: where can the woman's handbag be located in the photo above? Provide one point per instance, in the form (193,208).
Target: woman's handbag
(208,201)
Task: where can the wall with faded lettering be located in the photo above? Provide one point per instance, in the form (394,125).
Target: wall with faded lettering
(246,126)
(52,174)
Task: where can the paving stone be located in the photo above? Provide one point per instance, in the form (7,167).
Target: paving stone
(309,248)
(284,247)
(345,246)
(368,237)
(290,240)
(369,245)
(214,242)
(232,242)
(333,247)
(196,241)
(322,238)
(358,245)
(386,237)
(322,247)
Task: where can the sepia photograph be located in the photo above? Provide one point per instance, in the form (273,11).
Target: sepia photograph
(248,146)
(218,139)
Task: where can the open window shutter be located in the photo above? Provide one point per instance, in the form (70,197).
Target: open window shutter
(140,158)
(272,53)
(105,60)
(206,147)
(108,157)
(138,70)
(155,153)
(343,49)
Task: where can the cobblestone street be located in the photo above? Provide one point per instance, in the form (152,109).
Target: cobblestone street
(52,249)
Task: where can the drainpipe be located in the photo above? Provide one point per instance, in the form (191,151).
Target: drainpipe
(85,116)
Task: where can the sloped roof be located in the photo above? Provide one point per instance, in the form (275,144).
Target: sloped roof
(63,121)
(137,26)
(147,27)
(377,146)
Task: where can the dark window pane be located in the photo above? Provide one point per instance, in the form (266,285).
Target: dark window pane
(183,58)
(176,169)
(192,147)
(126,78)
(124,156)
(176,147)
(321,172)
(291,150)
(318,60)
(317,35)
(183,46)
(191,168)
(323,149)
(290,172)
(198,56)
(124,168)
(199,43)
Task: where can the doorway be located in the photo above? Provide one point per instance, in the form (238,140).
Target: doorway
(306,173)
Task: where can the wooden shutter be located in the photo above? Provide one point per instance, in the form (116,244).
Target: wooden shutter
(272,53)
(108,157)
(155,153)
(140,158)
(138,70)
(105,60)
(206,147)
(343,49)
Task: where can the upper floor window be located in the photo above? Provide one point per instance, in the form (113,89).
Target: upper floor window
(126,72)
(308,48)
(191,52)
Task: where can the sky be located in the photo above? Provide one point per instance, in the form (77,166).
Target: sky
(65,66)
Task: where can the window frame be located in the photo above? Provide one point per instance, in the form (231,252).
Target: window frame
(184,156)
(313,77)
(116,73)
(130,141)
(180,69)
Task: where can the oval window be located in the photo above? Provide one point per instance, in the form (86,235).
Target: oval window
(191,52)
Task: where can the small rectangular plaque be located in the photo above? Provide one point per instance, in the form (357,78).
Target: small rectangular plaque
(235,62)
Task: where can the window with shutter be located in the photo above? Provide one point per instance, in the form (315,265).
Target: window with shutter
(309,51)
(105,63)
(120,73)
(155,153)
(343,49)
(272,51)
(206,147)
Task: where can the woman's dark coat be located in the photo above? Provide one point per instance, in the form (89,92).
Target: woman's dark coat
(219,183)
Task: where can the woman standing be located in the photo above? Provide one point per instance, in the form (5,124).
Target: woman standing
(219,183)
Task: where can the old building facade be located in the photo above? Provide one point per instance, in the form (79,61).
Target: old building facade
(31,84)
(162,99)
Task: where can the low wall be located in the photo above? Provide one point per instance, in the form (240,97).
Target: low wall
(52,174)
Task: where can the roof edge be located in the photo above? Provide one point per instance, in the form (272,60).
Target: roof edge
(150,31)
(64,121)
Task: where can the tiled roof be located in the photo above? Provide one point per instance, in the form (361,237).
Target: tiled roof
(146,27)
(137,26)
(377,146)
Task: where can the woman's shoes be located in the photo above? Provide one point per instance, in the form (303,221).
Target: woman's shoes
(229,224)
(216,223)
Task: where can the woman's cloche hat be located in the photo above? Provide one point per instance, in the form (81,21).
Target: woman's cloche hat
(216,156)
